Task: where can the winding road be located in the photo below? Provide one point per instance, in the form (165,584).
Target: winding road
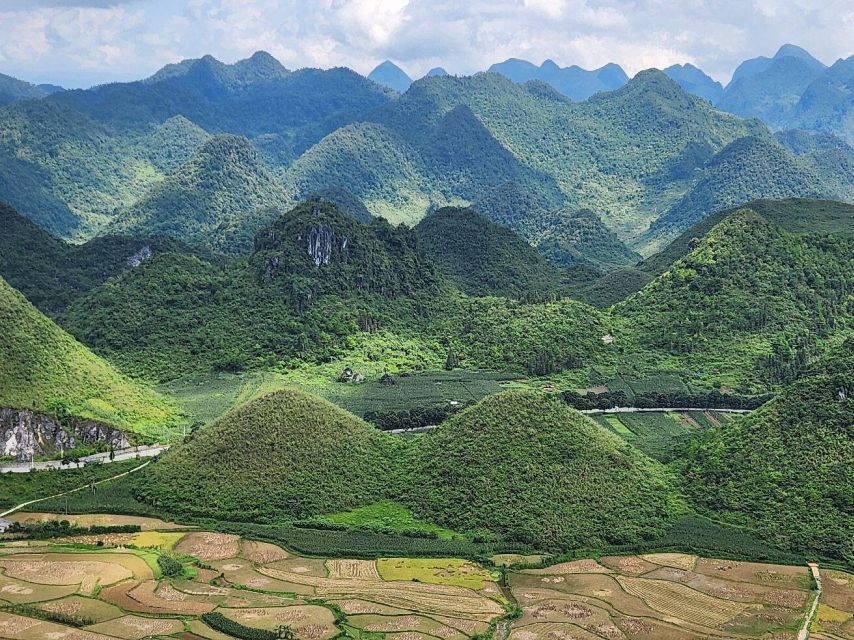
(148,451)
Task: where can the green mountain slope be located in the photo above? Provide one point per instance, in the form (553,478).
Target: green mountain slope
(12,90)
(52,274)
(44,368)
(579,237)
(748,305)
(787,469)
(796,215)
(219,198)
(826,104)
(745,170)
(484,258)
(268,444)
(526,467)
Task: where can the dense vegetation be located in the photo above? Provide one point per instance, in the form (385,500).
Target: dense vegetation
(289,455)
(484,258)
(44,368)
(533,471)
(52,274)
(750,302)
(787,468)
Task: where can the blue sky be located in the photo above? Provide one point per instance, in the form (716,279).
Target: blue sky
(83,42)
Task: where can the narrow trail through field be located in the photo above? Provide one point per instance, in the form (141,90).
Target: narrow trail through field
(804,633)
(65,493)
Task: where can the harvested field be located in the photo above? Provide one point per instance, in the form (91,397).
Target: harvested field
(164,598)
(59,569)
(452,601)
(838,590)
(678,560)
(101,519)
(552,631)
(794,577)
(20,592)
(83,608)
(392,624)
(364,569)
(136,627)
(14,627)
(632,565)
(354,606)
(262,552)
(576,566)
(309,622)
(444,571)
(681,602)
(241,572)
(206,546)
(302,566)
(202,630)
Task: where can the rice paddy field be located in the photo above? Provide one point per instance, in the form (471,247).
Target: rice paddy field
(113,588)
(67,589)
(671,596)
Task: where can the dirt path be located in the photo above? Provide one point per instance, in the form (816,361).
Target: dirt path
(65,493)
(804,633)
(147,451)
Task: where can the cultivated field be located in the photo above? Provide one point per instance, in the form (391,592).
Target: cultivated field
(71,591)
(665,595)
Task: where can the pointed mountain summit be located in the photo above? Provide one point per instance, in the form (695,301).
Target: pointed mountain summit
(260,67)
(694,80)
(794,51)
(219,198)
(390,75)
(436,71)
(759,64)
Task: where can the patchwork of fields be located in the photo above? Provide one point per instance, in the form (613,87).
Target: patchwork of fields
(76,589)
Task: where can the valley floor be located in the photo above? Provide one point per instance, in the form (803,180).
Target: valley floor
(112,585)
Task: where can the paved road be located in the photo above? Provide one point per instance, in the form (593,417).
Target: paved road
(65,493)
(131,453)
(804,633)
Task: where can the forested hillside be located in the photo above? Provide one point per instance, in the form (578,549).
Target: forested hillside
(44,368)
(788,468)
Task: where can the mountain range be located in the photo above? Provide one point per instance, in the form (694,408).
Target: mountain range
(155,156)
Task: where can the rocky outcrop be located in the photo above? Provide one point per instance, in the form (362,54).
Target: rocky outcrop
(25,433)
(322,242)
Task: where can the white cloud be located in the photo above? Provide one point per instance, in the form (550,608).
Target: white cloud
(86,41)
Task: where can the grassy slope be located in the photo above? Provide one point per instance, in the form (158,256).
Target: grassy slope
(42,367)
(289,454)
(525,466)
(787,468)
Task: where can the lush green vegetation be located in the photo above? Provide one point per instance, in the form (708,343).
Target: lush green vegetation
(386,515)
(52,273)
(612,287)
(748,305)
(484,258)
(289,455)
(44,368)
(529,469)
(580,237)
(787,468)
(63,529)
(219,622)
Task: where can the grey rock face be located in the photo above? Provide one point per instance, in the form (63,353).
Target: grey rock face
(24,434)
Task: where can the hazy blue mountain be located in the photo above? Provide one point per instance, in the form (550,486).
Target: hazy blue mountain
(771,93)
(754,66)
(827,104)
(695,81)
(436,71)
(574,82)
(390,75)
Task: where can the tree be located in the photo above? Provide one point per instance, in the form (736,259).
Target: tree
(452,361)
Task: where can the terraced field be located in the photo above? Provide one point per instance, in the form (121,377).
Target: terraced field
(65,590)
(670,596)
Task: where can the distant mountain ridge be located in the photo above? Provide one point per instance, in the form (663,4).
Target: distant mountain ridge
(574,82)
(390,75)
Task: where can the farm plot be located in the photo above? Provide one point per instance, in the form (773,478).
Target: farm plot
(115,593)
(309,622)
(664,595)
(450,571)
(835,616)
(98,519)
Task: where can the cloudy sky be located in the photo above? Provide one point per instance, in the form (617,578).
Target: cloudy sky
(83,42)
